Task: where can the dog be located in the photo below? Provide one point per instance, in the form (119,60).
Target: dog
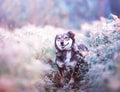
(69,55)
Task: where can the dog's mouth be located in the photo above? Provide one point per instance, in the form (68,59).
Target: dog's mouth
(63,46)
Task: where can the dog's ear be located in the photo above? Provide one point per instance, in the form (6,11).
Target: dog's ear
(72,35)
(55,42)
(56,38)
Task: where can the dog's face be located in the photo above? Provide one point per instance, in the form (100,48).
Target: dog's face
(64,41)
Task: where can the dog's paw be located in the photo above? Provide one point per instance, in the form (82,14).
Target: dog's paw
(70,85)
(66,87)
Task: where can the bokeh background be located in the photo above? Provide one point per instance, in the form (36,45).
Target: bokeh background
(27,52)
(60,13)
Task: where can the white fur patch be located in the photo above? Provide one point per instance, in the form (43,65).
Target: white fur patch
(67,45)
(69,63)
(68,57)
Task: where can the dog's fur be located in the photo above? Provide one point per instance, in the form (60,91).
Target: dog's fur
(68,54)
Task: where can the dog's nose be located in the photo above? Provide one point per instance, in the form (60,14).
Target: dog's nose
(62,43)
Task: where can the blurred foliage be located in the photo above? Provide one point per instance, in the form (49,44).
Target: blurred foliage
(59,13)
(26,52)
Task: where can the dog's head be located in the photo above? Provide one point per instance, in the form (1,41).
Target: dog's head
(64,41)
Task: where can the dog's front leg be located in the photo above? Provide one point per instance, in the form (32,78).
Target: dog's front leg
(71,81)
(72,78)
(61,70)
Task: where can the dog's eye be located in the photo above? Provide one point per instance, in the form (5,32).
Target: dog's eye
(58,38)
(66,38)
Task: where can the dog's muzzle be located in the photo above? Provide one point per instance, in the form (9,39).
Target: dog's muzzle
(62,43)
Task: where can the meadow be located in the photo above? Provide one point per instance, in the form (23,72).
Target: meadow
(25,54)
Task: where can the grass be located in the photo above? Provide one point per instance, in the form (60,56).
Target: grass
(25,52)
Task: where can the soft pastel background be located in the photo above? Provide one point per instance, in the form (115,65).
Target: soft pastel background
(61,13)
(27,52)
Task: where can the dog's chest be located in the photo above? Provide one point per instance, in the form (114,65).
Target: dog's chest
(68,57)
(69,61)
